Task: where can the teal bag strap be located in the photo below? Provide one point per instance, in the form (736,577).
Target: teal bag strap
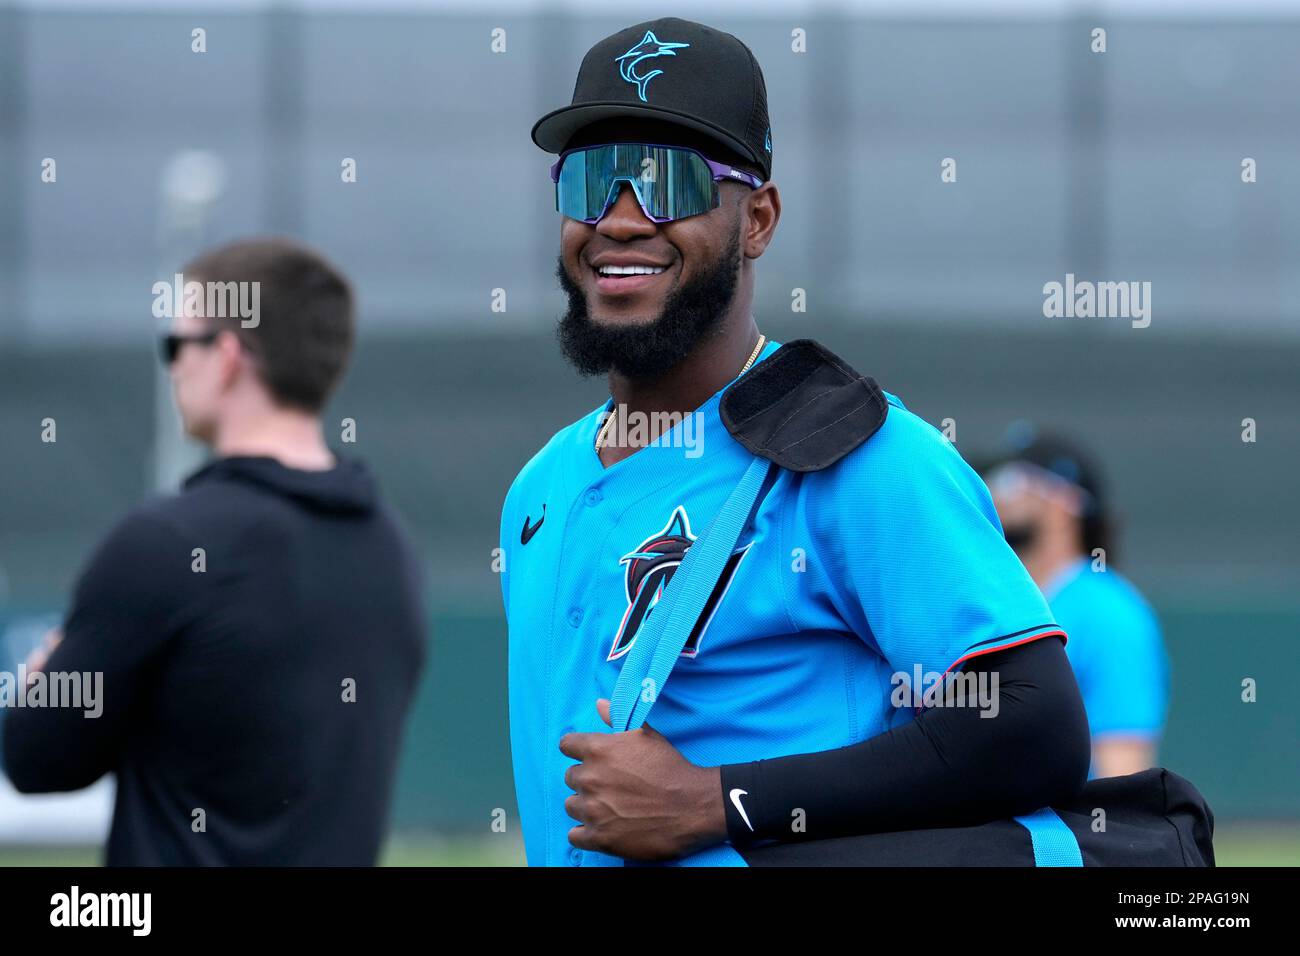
(1053,842)
(665,631)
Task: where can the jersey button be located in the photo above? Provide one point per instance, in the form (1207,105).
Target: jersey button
(575,857)
(575,616)
(594,497)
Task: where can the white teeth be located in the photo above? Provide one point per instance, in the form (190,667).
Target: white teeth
(630,270)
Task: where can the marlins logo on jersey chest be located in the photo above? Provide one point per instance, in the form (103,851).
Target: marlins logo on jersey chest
(647,570)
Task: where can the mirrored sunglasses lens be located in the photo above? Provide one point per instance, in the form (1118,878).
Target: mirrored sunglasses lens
(670,183)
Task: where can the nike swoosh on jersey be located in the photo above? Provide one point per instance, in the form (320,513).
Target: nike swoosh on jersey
(527,533)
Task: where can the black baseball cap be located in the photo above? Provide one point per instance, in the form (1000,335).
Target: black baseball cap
(672,70)
(1051,451)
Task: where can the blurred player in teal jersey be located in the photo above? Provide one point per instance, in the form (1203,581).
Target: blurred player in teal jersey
(1049,497)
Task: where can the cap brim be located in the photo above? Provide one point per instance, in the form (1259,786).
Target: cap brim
(555,129)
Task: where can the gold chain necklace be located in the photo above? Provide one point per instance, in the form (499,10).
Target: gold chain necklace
(604,431)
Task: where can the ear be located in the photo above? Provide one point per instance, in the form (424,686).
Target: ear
(762,213)
(232,356)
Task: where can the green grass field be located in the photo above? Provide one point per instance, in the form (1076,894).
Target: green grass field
(1240,844)
(401,851)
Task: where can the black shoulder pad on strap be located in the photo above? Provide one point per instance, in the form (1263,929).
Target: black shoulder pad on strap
(803,408)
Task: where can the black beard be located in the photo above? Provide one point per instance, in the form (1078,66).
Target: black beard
(691,313)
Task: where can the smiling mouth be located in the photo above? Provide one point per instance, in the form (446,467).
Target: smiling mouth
(618,280)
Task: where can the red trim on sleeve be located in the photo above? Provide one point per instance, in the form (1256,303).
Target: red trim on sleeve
(1002,647)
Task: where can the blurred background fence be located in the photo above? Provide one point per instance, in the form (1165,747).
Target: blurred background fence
(1121,166)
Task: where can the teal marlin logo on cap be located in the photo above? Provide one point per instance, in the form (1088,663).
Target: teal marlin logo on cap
(650,46)
(767,140)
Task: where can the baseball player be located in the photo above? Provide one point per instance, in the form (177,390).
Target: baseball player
(1052,505)
(874,556)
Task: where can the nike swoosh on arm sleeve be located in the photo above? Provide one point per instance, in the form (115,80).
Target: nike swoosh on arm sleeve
(949,767)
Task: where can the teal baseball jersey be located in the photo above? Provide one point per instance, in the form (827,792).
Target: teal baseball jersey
(851,580)
(1115,649)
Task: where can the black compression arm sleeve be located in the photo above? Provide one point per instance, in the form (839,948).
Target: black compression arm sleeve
(948,767)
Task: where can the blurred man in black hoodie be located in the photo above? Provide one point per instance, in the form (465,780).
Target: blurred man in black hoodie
(260,634)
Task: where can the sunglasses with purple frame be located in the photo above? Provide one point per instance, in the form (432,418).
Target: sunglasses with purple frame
(683,193)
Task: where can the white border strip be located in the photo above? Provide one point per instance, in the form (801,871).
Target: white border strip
(635,9)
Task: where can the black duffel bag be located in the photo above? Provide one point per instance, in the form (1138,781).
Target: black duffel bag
(1152,818)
